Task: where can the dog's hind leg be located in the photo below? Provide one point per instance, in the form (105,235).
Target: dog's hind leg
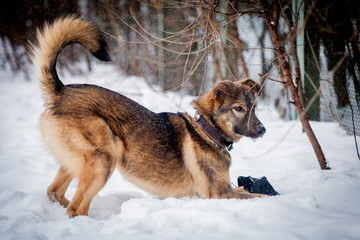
(94,175)
(56,191)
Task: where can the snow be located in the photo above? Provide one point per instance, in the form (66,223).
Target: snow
(312,204)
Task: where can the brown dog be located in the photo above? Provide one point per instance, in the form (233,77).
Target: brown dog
(91,130)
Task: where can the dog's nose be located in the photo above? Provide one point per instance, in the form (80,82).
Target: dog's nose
(260,129)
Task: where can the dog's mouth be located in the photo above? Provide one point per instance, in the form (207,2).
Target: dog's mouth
(259,132)
(250,135)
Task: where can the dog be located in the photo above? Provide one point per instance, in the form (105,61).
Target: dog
(91,130)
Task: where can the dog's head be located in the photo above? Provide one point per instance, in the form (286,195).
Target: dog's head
(230,107)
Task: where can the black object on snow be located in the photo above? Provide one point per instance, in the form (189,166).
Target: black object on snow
(256,185)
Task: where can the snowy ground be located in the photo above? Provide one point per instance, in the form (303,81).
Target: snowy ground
(313,204)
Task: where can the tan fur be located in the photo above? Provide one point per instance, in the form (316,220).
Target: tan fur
(91,130)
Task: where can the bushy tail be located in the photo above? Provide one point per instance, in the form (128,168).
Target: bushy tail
(52,39)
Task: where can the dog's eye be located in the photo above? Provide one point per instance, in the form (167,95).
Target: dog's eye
(239,109)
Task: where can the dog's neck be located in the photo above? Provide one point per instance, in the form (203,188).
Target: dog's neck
(212,132)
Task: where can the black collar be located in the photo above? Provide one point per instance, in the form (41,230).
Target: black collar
(212,132)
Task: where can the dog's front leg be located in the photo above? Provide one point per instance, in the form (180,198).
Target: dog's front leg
(221,189)
(214,184)
(236,193)
(243,192)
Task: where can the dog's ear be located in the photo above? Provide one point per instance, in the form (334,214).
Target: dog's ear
(222,90)
(251,85)
(206,103)
(219,94)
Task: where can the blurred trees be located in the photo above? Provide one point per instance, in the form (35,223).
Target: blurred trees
(334,25)
(191,44)
(18,21)
(170,43)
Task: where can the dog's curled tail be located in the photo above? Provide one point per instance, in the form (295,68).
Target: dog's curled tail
(52,39)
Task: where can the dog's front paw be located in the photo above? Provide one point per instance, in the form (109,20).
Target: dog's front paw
(71,212)
(259,195)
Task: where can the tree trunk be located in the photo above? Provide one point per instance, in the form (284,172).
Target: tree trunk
(159,51)
(294,93)
(239,47)
(217,64)
(126,47)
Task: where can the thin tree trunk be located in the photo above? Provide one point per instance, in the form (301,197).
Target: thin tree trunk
(239,47)
(217,63)
(131,60)
(294,93)
(160,52)
(144,48)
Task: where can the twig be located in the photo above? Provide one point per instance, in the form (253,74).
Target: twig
(271,79)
